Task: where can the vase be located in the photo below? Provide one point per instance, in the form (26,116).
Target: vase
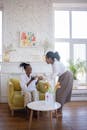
(50,98)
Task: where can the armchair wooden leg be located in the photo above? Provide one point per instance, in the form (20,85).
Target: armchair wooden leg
(12,112)
(27,113)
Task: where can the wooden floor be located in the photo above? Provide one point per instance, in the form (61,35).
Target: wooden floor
(74,118)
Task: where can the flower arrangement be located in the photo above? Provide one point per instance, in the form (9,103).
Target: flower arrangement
(43,86)
(53,90)
(7,49)
(57,86)
(47,45)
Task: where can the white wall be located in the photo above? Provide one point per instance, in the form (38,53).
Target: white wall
(28,15)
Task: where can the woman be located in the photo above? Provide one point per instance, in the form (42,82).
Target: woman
(28,83)
(65,78)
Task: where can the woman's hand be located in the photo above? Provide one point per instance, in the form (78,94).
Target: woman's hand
(40,77)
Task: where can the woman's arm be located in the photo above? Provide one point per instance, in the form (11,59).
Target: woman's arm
(55,70)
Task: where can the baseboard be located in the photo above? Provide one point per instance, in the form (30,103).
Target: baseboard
(75,97)
(79,95)
(79,98)
(3,100)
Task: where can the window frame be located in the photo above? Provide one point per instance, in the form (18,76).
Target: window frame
(70,7)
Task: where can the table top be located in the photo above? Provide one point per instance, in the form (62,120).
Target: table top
(43,106)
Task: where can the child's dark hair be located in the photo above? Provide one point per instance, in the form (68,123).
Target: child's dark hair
(53,55)
(24,65)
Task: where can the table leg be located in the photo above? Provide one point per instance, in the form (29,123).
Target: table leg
(30,120)
(51,120)
(56,114)
(38,115)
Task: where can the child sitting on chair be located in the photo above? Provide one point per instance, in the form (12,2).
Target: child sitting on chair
(28,83)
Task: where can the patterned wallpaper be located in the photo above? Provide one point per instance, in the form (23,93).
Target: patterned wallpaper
(28,15)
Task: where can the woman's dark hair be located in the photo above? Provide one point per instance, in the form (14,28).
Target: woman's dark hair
(24,65)
(53,55)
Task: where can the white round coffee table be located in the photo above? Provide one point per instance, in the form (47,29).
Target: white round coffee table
(42,106)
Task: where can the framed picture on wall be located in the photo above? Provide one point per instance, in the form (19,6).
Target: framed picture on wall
(27,39)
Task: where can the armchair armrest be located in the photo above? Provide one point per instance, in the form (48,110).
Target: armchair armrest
(10,91)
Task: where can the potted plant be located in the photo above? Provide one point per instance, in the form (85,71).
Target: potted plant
(77,67)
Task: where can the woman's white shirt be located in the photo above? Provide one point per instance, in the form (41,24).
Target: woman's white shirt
(23,82)
(58,69)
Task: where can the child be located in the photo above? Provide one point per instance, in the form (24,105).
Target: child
(28,83)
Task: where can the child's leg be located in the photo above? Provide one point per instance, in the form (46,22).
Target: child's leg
(35,95)
(27,98)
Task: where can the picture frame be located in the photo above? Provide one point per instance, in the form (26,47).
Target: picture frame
(27,39)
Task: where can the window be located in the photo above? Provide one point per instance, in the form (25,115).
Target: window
(80,53)
(79,24)
(61,24)
(71,35)
(0,36)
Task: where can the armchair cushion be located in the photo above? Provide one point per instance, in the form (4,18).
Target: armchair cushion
(18,99)
(16,84)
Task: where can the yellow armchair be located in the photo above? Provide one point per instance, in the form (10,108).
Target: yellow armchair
(15,98)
